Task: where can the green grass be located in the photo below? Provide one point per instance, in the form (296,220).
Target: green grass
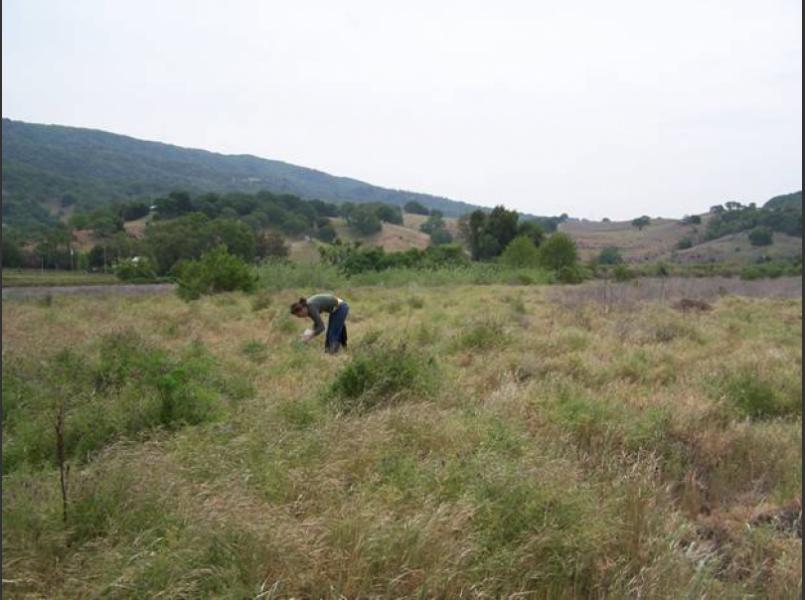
(34,277)
(277,275)
(477,441)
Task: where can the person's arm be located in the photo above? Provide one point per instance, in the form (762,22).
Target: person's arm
(318,324)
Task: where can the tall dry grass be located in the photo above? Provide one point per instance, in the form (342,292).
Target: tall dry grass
(509,446)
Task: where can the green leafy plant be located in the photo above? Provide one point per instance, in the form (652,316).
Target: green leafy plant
(216,271)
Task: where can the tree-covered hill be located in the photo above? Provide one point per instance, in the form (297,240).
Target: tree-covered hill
(793,200)
(66,165)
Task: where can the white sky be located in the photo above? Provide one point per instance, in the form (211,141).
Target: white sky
(592,108)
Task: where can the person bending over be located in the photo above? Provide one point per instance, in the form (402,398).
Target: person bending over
(312,307)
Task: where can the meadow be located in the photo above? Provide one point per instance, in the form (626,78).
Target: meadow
(475,441)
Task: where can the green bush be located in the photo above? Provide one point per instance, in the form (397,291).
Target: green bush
(761,236)
(119,389)
(216,271)
(521,252)
(570,274)
(136,270)
(610,256)
(382,375)
(623,273)
(558,251)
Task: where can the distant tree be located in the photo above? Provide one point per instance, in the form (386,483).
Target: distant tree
(502,224)
(134,211)
(440,236)
(610,256)
(641,222)
(717,209)
(176,203)
(761,236)
(730,206)
(389,213)
(324,209)
(488,247)
(295,225)
(416,208)
(227,212)
(12,255)
(326,233)
(605,220)
(237,236)
(521,252)
(432,223)
(692,220)
(684,243)
(532,231)
(558,251)
(471,228)
(364,220)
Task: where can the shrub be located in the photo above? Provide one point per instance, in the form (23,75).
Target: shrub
(521,252)
(751,273)
(382,375)
(684,243)
(761,236)
(558,251)
(127,388)
(623,273)
(610,256)
(216,271)
(570,274)
(136,270)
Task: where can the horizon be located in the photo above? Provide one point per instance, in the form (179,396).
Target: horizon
(604,112)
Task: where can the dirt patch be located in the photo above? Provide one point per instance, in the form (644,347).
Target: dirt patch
(687,304)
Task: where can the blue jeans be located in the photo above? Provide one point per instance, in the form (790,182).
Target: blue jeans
(336,335)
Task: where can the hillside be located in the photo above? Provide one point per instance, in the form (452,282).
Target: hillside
(653,241)
(659,241)
(51,162)
(735,249)
(793,200)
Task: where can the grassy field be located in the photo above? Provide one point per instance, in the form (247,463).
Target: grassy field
(34,277)
(474,442)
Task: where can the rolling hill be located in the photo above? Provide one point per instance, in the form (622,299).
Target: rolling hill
(47,163)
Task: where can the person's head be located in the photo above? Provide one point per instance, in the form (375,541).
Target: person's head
(299,309)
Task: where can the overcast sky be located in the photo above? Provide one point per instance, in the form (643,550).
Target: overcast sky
(598,109)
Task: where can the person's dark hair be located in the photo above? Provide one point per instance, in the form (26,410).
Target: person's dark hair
(297,306)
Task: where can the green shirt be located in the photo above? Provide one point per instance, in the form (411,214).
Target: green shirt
(318,303)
